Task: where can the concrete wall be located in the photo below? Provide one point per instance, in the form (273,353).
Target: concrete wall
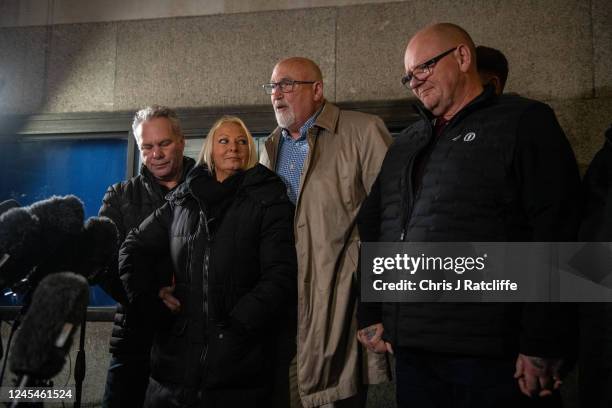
(16,13)
(559,52)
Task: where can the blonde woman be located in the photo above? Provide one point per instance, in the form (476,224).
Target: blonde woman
(229,232)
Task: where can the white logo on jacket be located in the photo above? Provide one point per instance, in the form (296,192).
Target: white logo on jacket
(467,138)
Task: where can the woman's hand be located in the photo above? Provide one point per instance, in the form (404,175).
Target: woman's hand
(169,300)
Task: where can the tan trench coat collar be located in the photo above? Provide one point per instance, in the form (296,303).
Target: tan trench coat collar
(327,119)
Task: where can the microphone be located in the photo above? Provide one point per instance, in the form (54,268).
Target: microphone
(61,223)
(45,335)
(99,245)
(60,217)
(48,237)
(20,245)
(7,205)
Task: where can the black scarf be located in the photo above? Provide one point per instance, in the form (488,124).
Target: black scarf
(216,197)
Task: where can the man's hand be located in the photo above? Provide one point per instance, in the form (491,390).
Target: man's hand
(371,338)
(169,300)
(538,376)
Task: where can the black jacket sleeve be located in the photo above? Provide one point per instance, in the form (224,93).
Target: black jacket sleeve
(368,222)
(277,286)
(548,175)
(138,254)
(550,188)
(111,208)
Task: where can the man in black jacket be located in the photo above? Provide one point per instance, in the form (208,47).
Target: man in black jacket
(161,143)
(475,168)
(595,362)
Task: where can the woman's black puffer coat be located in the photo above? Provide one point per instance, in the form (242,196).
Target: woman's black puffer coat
(232,248)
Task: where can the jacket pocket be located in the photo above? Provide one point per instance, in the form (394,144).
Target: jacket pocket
(169,353)
(234,360)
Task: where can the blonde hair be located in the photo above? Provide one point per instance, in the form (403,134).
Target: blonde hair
(205,156)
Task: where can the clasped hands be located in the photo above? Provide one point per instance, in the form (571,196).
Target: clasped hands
(538,376)
(371,338)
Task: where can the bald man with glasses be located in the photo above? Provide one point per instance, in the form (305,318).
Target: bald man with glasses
(475,168)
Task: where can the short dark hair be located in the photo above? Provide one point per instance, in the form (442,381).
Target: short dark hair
(492,61)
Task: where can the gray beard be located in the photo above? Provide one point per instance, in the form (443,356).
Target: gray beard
(286,119)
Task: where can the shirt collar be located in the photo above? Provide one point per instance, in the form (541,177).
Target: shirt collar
(305,127)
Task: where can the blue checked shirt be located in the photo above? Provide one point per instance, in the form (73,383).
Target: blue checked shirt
(291,157)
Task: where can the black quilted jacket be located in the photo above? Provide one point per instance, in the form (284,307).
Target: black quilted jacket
(502,170)
(233,253)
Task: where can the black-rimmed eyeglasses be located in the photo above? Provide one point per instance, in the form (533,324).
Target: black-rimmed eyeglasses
(425,69)
(285,86)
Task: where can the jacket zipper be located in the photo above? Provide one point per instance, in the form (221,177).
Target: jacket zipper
(205,272)
(206,263)
(407,213)
(203,219)
(407,179)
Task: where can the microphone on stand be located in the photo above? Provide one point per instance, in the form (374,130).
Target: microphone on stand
(58,307)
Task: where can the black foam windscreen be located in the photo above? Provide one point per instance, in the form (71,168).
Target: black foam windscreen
(99,245)
(59,215)
(20,245)
(7,205)
(61,224)
(45,335)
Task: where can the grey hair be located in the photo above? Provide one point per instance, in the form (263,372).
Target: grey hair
(153,112)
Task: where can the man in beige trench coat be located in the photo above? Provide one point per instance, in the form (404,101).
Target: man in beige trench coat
(329,159)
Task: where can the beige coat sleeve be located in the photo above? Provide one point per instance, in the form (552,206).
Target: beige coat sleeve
(372,151)
(376,367)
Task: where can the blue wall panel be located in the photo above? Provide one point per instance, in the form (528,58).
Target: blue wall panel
(34,170)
